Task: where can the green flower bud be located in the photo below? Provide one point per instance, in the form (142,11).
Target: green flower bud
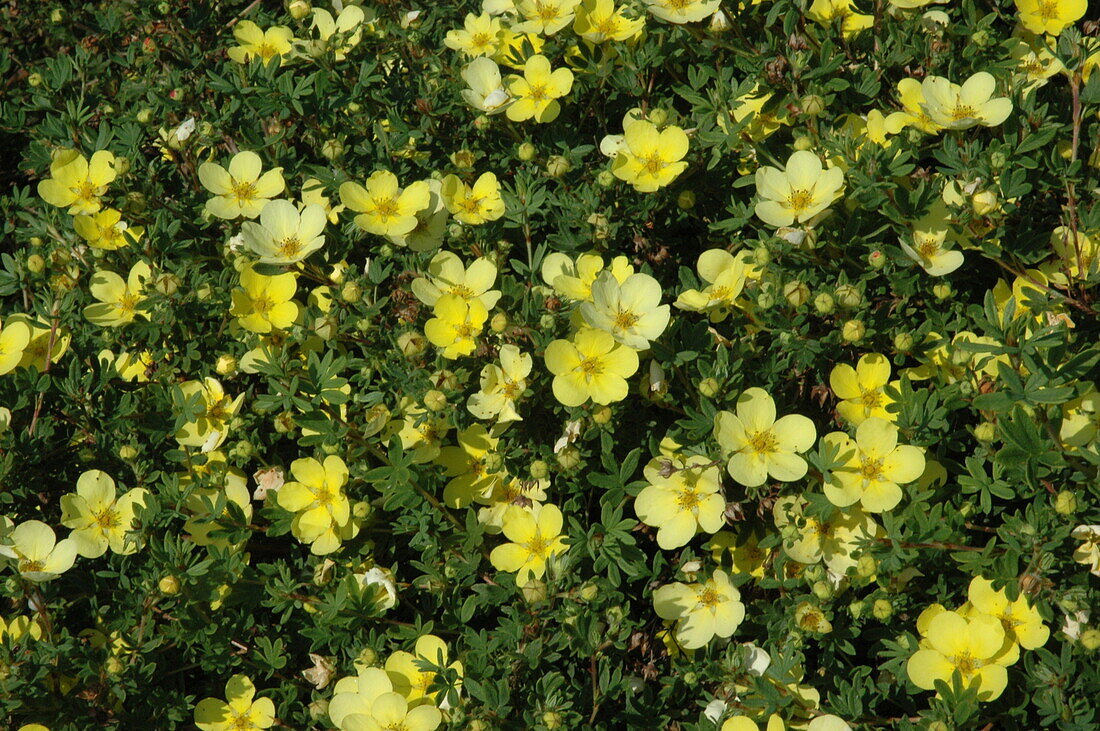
(1065,503)
(499,323)
(226,365)
(526,152)
(35,264)
(242,450)
(796,293)
(686,200)
(351,292)
(848,296)
(985,432)
(569,458)
(539,470)
(534,592)
(658,116)
(882,609)
(34,79)
(903,342)
(332,149)
(857,608)
(605,178)
(411,344)
(709,388)
(127,453)
(876,259)
(824,303)
(761,255)
(941,291)
(169,585)
(435,400)
(601,415)
(283,422)
(813,105)
(853,331)
(558,166)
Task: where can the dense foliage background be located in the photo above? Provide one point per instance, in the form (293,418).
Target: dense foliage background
(213,585)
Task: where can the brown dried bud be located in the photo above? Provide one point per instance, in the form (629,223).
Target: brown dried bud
(552,303)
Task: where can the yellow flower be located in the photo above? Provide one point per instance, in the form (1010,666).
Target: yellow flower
(835,540)
(961,107)
(762,124)
(537,92)
(746,555)
(1081,259)
(41,336)
(1081,419)
(725,275)
(1050,16)
(599,21)
(456,325)
(78,183)
(592,366)
(929,246)
(759,445)
(872,466)
(413,683)
(474,204)
(422,432)
(239,712)
(105,230)
(210,424)
(1035,59)
(262,304)
(630,310)
(128,366)
(967,646)
(119,301)
(1021,621)
(392,711)
(323,514)
(354,697)
(275,42)
(683,498)
(16,628)
(861,389)
(346,28)
(466,466)
(14,337)
(39,556)
(701,611)
(510,493)
(825,12)
(384,208)
(574,279)
(479,36)
(544,16)
(911,95)
(313,193)
(98,520)
(486,91)
(502,386)
(798,193)
(1088,553)
(646,158)
(682,11)
(243,189)
(535,536)
(200,503)
(283,235)
(448,276)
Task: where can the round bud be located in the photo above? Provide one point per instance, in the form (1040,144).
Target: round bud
(876,259)
(813,105)
(557,166)
(34,79)
(824,303)
(411,344)
(226,365)
(822,590)
(242,450)
(569,458)
(318,709)
(481,122)
(539,470)
(546,322)
(534,591)
(298,9)
(351,292)
(499,323)
(605,178)
(882,609)
(588,591)
(145,115)
(985,432)
(368,657)
(435,400)
(853,331)
(492,462)
(1065,503)
(866,566)
(857,608)
(1090,639)
(998,160)
(686,200)
(445,380)
(35,264)
(848,296)
(709,388)
(903,342)
(796,293)
(601,415)
(169,585)
(283,422)
(984,203)
(127,453)
(803,143)
(761,255)
(941,291)
(526,152)
(552,720)
(332,149)
(658,116)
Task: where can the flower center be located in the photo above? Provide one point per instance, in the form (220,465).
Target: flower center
(128,302)
(626,320)
(464,330)
(538,93)
(962,111)
(763,442)
(687,499)
(480,40)
(871,469)
(265,51)
(966,664)
(107,519)
(709,598)
(510,390)
(654,163)
(29,566)
(243,191)
(1048,10)
(85,191)
(720,293)
(385,208)
(290,246)
(461,290)
(800,199)
(538,547)
(871,399)
(591,367)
